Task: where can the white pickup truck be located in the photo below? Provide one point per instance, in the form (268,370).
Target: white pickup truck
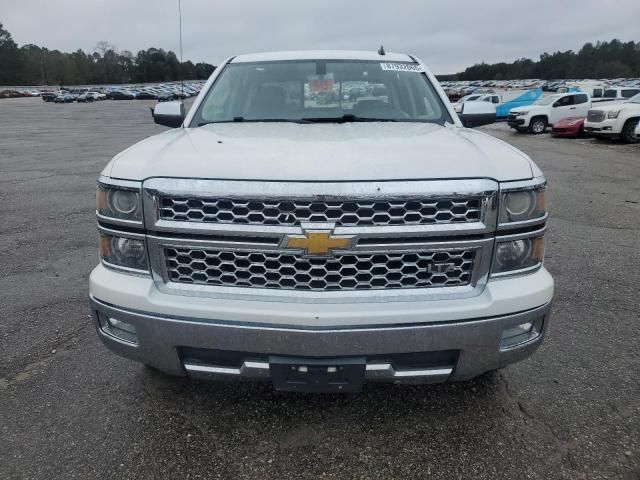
(548,110)
(319,245)
(615,120)
(492,98)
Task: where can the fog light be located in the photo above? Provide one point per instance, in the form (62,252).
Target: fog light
(521,333)
(117,328)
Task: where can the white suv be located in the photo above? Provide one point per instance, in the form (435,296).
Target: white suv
(282,232)
(615,120)
(548,110)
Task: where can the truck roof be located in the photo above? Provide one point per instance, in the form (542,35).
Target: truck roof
(322,55)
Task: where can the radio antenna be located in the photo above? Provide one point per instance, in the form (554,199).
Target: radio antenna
(180,66)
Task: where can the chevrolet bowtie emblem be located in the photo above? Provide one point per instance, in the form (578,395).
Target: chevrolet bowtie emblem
(317,243)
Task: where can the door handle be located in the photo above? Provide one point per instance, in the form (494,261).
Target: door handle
(572,108)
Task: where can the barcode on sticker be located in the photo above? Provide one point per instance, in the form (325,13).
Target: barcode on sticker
(402,67)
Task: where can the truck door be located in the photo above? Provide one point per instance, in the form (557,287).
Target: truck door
(562,108)
(582,105)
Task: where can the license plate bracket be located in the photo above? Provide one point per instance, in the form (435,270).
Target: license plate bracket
(332,375)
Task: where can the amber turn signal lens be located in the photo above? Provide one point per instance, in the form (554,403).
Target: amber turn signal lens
(541,201)
(538,249)
(101,199)
(105,246)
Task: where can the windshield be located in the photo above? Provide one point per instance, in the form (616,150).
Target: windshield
(635,98)
(547,100)
(322,91)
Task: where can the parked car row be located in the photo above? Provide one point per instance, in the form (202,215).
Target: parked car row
(574,114)
(161,92)
(10,93)
(457,89)
(605,89)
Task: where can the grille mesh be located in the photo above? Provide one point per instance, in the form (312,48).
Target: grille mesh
(342,272)
(595,116)
(342,213)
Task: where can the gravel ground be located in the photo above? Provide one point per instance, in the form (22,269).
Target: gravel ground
(70,409)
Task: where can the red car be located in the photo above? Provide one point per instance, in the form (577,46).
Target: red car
(569,127)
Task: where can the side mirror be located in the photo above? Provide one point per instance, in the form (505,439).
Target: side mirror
(475,114)
(169,114)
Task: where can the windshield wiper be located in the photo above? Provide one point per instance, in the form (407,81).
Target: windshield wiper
(349,117)
(256,120)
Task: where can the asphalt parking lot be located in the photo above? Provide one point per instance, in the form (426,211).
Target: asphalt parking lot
(70,409)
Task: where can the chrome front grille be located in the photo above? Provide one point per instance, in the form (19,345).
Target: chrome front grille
(426,239)
(344,272)
(595,116)
(345,213)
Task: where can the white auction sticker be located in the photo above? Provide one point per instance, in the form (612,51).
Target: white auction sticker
(402,67)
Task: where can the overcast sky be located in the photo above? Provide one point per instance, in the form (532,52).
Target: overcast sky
(448,35)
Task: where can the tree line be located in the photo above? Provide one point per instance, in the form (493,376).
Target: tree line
(35,65)
(614,59)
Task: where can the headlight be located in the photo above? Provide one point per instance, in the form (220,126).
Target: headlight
(521,254)
(118,203)
(127,253)
(521,113)
(523,205)
(613,114)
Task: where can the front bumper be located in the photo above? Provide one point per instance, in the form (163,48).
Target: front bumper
(516,122)
(457,344)
(570,131)
(607,128)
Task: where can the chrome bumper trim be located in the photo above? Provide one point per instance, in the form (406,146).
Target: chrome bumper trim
(248,369)
(256,370)
(385,371)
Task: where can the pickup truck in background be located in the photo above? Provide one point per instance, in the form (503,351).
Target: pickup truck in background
(492,98)
(595,89)
(318,245)
(547,110)
(616,94)
(615,120)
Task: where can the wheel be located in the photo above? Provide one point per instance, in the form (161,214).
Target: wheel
(628,133)
(538,125)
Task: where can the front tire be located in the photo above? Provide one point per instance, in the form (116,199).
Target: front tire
(628,133)
(537,125)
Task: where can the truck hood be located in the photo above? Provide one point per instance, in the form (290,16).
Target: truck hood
(322,152)
(619,105)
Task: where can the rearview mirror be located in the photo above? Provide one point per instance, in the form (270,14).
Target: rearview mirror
(169,114)
(475,114)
